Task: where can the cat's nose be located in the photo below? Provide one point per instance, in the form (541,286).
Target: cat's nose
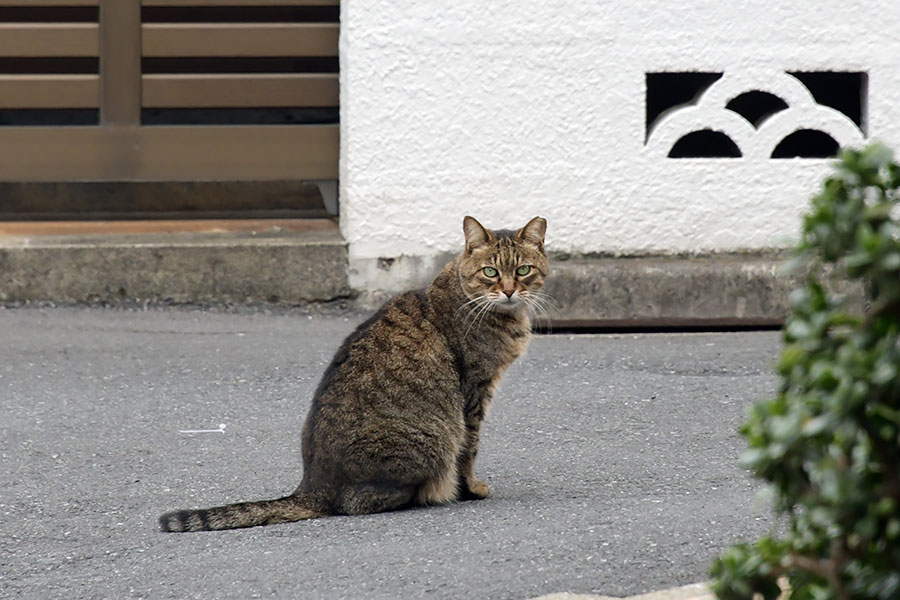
(509,293)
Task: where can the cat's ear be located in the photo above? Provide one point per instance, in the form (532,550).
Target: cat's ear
(533,232)
(476,234)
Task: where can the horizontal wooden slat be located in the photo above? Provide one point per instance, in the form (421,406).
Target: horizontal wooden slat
(49,91)
(241,2)
(49,39)
(238,39)
(169,153)
(240,90)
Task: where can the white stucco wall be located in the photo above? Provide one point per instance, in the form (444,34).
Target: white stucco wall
(506,109)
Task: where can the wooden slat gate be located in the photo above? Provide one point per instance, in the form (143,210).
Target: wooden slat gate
(168,90)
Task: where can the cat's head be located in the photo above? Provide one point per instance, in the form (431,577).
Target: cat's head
(504,269)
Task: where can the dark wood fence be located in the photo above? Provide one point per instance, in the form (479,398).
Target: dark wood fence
(168,90)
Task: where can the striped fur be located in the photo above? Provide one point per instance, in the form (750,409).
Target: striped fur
(243,514)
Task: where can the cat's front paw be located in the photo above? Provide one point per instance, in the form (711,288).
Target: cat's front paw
(476,490)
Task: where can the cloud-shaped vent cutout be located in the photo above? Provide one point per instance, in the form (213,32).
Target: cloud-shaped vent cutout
(705,143)
(756,106)
(806,143)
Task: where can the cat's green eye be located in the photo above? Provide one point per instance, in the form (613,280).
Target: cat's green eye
(523,270)
(489,271)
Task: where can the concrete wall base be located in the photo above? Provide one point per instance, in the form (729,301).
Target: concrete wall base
(711,290)
(719,289)
(229,268)
(290,268)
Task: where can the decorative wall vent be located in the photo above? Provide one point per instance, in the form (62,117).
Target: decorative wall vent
(754,115)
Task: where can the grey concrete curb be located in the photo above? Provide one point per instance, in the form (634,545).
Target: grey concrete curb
(312,266)
(694,591)
(724,288)
(289,268)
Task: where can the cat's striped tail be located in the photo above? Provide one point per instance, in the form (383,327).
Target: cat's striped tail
(296,507)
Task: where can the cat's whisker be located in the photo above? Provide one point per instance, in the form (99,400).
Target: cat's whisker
(531,301)
(475,311)
(537,307)
(469,328)
(482,310)
(474,308)
(548,300)
(473,300)
(542,306)
(471,304)
(533,306)
(547,305)
(490,307)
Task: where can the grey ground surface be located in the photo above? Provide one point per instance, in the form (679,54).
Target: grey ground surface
(611,458)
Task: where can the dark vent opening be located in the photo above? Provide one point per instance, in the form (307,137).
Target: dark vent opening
(240,116)
(806,143)
(48,14)
(705,144)
(317,64)
(756,106)
(842,91)
(668,90)
(49,117)
(240,14)
(48,66)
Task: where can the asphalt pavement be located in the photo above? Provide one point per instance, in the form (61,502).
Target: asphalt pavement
(612,461)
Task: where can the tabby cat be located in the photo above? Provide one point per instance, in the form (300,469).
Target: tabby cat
(395,420)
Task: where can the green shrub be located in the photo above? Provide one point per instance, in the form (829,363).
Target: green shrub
(829,443)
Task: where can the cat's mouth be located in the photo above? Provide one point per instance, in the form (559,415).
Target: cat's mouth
(504,302)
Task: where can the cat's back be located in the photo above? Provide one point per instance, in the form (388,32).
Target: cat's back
(391,379)
(396,353)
